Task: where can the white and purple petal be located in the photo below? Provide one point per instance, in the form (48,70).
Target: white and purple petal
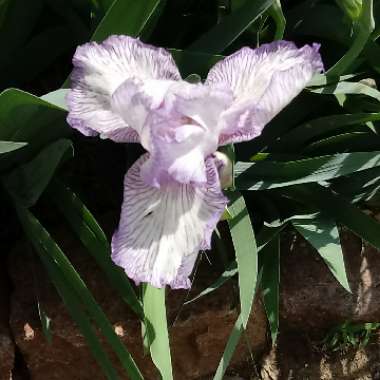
(177,123)
(99,69)
(263,81)
(162,230)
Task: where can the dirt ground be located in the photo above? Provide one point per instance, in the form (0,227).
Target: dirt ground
(298,358)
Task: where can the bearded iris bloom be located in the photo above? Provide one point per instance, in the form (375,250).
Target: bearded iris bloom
(127,91)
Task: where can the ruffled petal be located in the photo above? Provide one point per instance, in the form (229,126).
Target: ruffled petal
(263,81)
(177,123)
(162,230)
(99,69)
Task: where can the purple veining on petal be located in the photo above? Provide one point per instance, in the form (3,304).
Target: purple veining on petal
(99,69)
(162,230)
(264,81)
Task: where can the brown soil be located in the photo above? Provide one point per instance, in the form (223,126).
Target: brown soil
(296,357)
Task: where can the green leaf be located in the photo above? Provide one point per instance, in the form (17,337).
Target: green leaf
(270,174)
(267,234)
(356,141)
(27,182)
(10,146)
(300,135)
(157,329)
(230,272)
(190,62)
(57,98)
(42,244)
(233,340)
(18,19)
(356,183)
(323,79)
(93,238)
(277,14)
(45,322)
(366,25)
(322,233)
(338,208)
(229,29)
(41,238)
(25,117)
(40,53)
(348,88)
(269,260)
(128,17)
(243,238)
(264,237)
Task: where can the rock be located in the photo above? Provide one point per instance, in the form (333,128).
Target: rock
(198,332)
(7,348)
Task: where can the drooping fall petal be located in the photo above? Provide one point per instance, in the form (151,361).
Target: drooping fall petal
(162,230)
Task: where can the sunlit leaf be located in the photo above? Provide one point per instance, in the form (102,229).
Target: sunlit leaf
(322,233)
(10,146)
(243,238)
(157,329)
(271,174)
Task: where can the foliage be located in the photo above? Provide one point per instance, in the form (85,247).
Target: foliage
(314,168)
(350,335)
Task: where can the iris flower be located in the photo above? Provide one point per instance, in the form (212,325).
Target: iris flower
(131,92)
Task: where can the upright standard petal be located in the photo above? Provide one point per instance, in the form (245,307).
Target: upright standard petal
(177,123)
(263,81)
(162,230)
(99,69)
